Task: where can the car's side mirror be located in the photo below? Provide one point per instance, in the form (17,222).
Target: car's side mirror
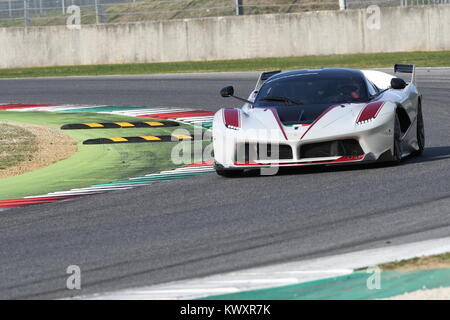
(397,83)
(227,92)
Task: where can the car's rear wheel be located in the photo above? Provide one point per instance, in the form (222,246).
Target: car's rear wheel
(420,131)
(397,154)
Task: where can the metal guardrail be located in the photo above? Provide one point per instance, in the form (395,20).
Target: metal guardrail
(55,12)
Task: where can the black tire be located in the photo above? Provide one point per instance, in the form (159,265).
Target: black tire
(397,155)
(420,131)
(229,173)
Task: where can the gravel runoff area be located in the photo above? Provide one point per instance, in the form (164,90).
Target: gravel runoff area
(51,145)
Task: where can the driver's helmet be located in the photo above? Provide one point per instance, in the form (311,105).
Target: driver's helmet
(352,90)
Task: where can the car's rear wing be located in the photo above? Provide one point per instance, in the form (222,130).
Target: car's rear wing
(406,68)
(264,77)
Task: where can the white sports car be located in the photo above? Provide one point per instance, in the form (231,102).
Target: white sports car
(320,117)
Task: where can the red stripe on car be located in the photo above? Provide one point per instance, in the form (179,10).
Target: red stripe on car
(231,118)
(370,111)
(339,160)
(280,124)
(318,118)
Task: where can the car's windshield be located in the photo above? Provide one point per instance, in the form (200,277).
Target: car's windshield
(313,88)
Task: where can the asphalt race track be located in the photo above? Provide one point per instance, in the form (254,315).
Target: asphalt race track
(204,225)
(172,90)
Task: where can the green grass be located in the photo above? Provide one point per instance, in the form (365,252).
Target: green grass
(92,164)
(421,59)
(437,261)
(16,145)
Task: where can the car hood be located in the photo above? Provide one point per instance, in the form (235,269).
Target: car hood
(299,114)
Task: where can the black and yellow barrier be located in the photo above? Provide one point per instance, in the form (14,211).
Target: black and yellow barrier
(142,139)
(119,125)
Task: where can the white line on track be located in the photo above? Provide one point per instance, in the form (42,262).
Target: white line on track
(186,171)
(150,111)
(124,186)
(195,119)
(56,108)
(280,274)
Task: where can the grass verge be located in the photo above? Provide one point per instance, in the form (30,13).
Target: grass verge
(424,263)
(92,164)
(358,61)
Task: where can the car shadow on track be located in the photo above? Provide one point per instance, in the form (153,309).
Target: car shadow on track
(429,154)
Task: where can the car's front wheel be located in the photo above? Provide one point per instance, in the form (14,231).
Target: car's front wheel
(228,173)
(397,154)
(420,131)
